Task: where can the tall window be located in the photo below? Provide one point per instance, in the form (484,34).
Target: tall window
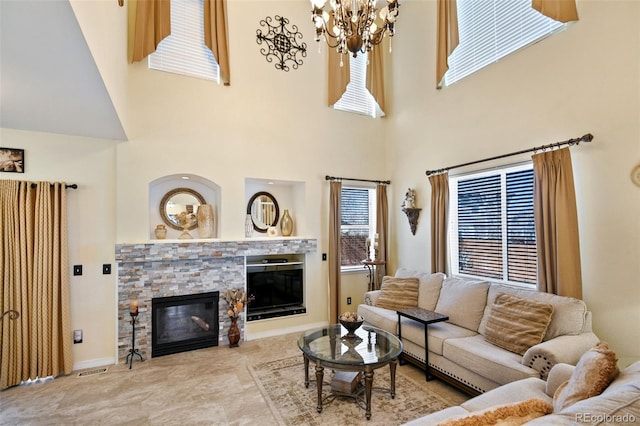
(491,29)
(184,52)
(357,97)
(358,224)
(492,225)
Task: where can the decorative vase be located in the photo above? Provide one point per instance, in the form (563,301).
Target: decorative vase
(248,226)
(205,221)
(234,333)
(161,232)
(286,224)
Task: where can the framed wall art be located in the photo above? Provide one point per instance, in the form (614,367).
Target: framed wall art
(11,160)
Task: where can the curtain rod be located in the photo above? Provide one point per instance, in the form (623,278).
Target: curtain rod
(69,185)
(576,141)
(383,182)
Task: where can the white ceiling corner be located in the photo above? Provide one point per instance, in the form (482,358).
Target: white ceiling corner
(49,81)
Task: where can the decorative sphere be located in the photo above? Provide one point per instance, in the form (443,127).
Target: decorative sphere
(354,43)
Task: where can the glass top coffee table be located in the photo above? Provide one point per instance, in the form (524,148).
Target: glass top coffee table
(370,349)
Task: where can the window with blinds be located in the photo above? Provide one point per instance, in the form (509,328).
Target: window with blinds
(358,224)
(492,225)
(492,29)
(184,52)
(357,98)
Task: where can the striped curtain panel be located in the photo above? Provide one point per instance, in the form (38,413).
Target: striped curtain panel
(35,282)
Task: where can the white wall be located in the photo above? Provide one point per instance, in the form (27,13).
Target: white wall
(583,80)
(91,164)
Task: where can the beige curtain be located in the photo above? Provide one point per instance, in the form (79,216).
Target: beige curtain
(375,74)
(215,35)
(556,218)
(560,10)
(35,282)
(149,24)
(335,250)
(382,228)
(439,221)
(447,39)
(339,76)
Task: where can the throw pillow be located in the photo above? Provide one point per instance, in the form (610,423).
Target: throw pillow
(463,301)
(506,415)
(593,373)
(516,323)
(398,293)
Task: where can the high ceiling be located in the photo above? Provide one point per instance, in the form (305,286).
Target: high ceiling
(49,81)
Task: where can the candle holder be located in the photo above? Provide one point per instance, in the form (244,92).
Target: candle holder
(133,352)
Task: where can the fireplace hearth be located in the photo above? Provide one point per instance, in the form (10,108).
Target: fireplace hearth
(184,323)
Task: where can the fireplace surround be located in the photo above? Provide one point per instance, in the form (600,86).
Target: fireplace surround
(170,268)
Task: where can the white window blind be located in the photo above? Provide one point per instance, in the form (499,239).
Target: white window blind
(184,52)
(492,29)
(492,225)
(357,98)
(358,210)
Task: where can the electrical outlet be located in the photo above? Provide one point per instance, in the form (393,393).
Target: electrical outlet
(106,269)
(324,256)
(348,300)
(77,336)
(77,269)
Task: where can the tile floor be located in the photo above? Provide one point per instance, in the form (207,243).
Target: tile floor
(209,386)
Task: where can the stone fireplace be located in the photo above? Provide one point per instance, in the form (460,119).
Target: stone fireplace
(168,268)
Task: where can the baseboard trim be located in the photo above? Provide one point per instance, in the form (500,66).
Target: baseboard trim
(93,363)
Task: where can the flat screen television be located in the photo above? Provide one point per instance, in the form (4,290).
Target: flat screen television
(278,290)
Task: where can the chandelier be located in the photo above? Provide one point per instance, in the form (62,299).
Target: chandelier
(350,25)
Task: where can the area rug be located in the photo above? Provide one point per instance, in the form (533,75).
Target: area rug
(281,382)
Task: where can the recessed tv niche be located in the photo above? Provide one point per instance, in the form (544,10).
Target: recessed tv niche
(277,285)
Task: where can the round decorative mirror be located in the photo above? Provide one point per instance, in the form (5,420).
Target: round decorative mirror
(264,211)
(177,201)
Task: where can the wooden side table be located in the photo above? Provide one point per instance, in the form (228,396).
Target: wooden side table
(372,266)
(425,317)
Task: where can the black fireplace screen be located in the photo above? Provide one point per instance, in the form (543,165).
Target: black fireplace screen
(183,323)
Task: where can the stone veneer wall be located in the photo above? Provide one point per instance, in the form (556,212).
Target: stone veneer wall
(165,269)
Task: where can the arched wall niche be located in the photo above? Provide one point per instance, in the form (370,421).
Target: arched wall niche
(209,190)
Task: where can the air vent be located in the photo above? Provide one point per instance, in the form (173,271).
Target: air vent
(92,372)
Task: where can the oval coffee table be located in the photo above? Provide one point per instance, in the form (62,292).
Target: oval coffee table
(370,349)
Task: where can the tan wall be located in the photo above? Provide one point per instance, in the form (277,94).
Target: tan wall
(585,79)
(274,124)
(91,164)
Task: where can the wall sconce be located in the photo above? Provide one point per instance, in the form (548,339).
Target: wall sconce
(409,208)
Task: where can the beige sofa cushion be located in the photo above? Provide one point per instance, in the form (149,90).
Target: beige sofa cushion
(398,293)
(516,324)
(463,301)
(593,373)
(569,314)
(430,285)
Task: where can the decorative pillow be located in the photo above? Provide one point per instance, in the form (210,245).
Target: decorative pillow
(593,373)
(516,324)
(398,293)
(506,415)
(463,301)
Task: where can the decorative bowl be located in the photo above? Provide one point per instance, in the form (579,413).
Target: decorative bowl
(351,322)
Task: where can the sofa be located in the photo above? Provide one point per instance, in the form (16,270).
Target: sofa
(585,394)
(472,349)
